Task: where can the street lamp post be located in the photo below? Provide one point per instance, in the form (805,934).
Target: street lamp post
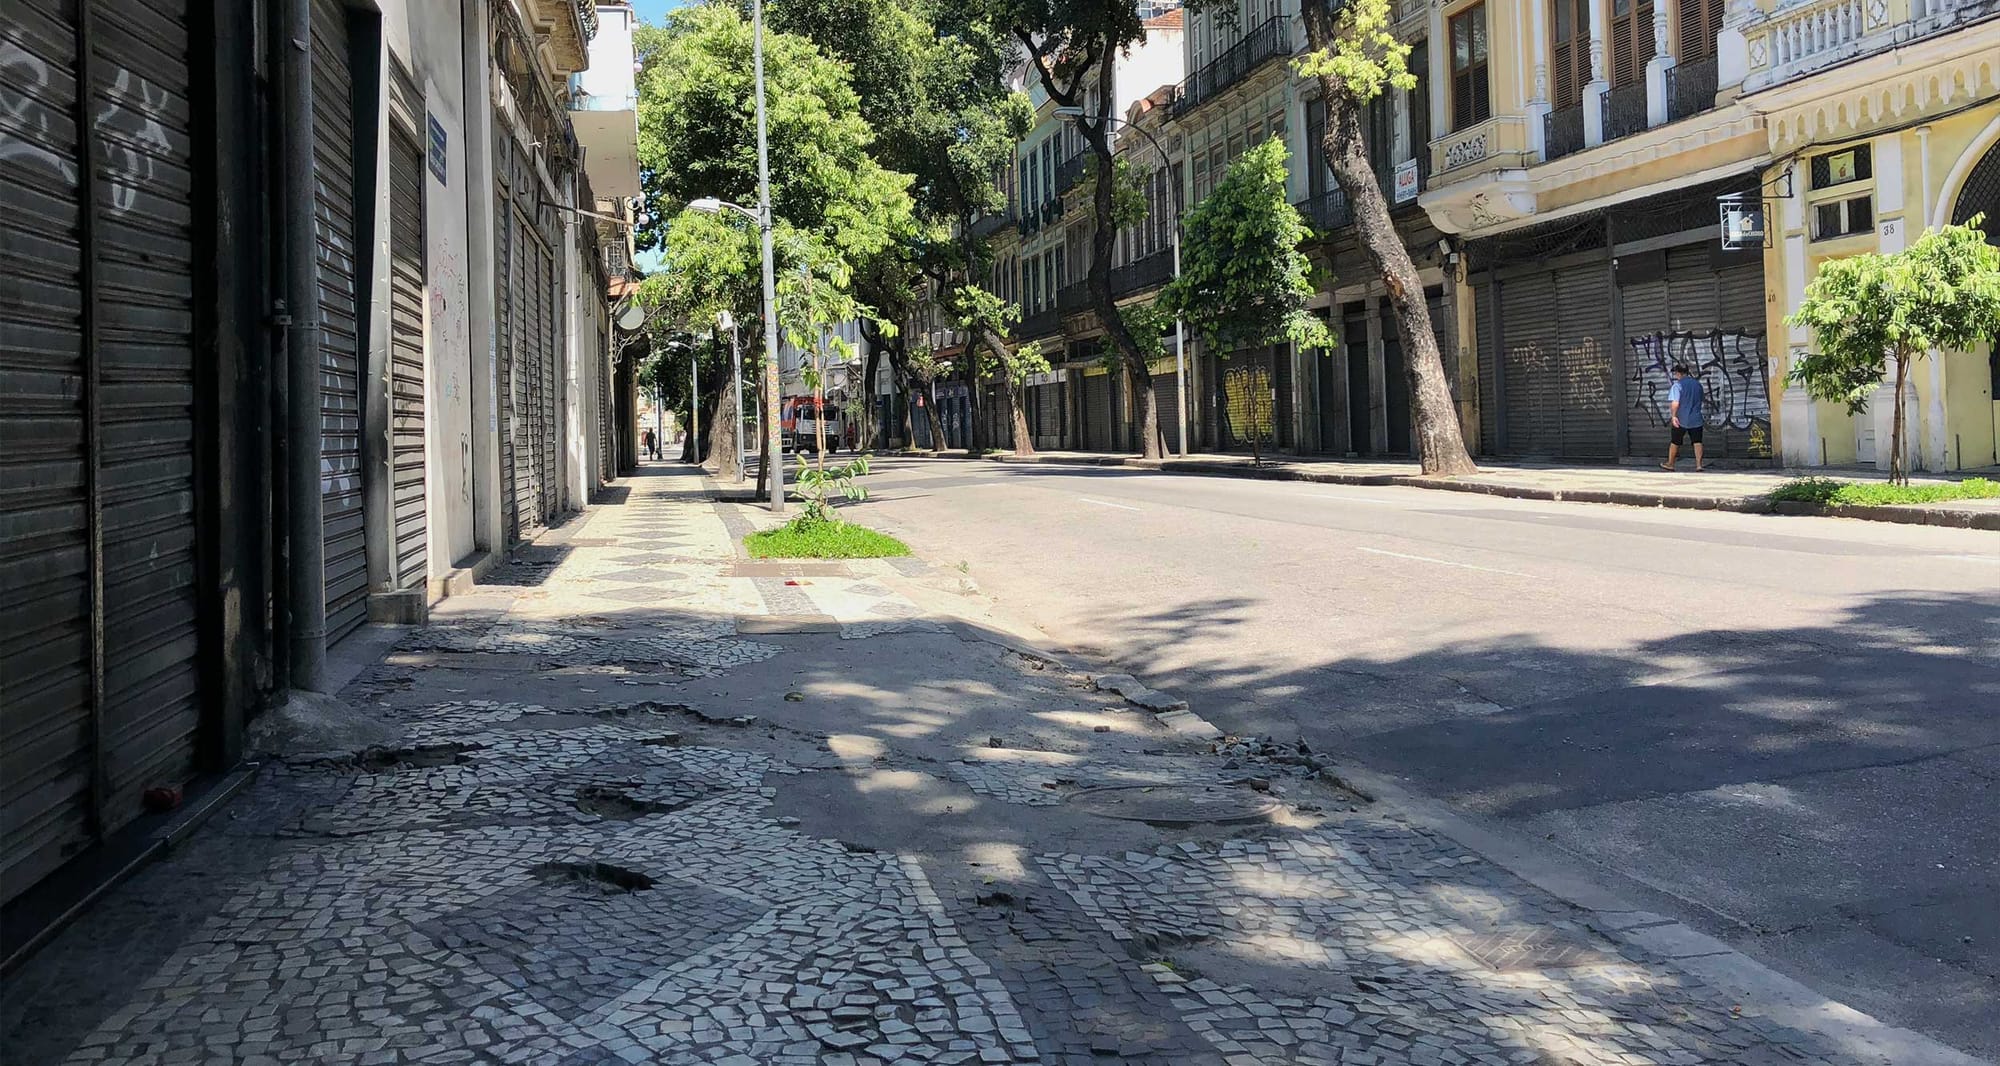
(763,218)
(1074,114)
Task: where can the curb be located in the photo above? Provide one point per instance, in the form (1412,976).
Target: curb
(1905,515)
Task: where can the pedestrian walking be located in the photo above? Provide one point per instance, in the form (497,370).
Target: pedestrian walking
(1684,403)
(646,445)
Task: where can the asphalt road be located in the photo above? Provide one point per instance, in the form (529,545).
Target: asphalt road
(1787,730)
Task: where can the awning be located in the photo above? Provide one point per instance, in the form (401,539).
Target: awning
(610,141)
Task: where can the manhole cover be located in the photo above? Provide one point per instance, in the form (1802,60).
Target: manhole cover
(1176,805)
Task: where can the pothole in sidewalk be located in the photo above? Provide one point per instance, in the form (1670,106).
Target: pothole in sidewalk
(1176,806)
(603,876)
(416,757)
(609,801)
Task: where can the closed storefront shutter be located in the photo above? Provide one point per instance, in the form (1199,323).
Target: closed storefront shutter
(1491,398)
(1395,383)
(527,380)
(1097,423)
(550,310)
(340,347)
(1247,405)
(1048,415)
(406,357)
(1166,394)
(505,268)
(1583,366)
(1528,359)
(1644,307)
(99,619)
(1712,320)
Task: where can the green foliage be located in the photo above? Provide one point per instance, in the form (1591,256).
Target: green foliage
(1244,279)
(817,481)
(832,200)
(802,539)
(1826,490)
(1869,311)
(1365,55)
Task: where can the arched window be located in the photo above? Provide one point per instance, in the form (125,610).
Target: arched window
(1981,194)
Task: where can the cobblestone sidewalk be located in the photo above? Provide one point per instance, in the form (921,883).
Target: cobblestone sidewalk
(657,804)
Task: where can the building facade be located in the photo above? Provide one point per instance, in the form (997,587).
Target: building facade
(151,541)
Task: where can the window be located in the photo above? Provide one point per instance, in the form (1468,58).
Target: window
(1632,41)
(1700,22)
(1843,192)
(617,261)
(1471,94)
(1569,52)
(1419,103)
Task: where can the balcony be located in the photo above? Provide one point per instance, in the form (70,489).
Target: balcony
(1040,324)
(1069,170)
(988,225)
(1073,298)
(1267,41)
(1562,132)
(1624,110)
(1691,88)
(1799,38)
(1327,212)
(1140,275)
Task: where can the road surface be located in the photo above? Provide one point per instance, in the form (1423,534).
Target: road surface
(1784,730)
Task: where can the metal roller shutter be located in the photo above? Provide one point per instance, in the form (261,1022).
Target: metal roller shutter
(549,308)
(99,621)
(503,336)
(406,357)
(1097,424)
(1166,396)
(1395,383)
(1528,362)
(1583,367)
(1490,396)
(1048,415)
(1247,403)
(526,382)
(340,346)
(1644,307)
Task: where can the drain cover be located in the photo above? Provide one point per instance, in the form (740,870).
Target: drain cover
(1176,805)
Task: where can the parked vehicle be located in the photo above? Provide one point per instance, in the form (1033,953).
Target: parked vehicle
(802,426)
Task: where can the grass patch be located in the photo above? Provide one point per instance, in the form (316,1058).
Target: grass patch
(1826,490)
(799,539)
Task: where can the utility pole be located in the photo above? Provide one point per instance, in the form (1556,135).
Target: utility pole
(764,221)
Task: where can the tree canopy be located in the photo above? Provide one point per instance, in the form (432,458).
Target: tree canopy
(1244,278)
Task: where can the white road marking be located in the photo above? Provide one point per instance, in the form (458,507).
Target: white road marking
(1101,503)
(1443,562)
(1994,559)
(1357,499)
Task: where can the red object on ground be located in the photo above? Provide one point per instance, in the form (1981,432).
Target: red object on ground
(161,800)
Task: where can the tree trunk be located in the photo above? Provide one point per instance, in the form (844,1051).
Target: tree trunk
(1103,241)
(1439,444)
(1899,473)
(864,434)
(975,434)
(722,441)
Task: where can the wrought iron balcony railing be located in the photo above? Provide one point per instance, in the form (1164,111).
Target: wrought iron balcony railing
(1150,272)
(1690,88)
(1625,111)
(1039,324)
(1562,132)
(1267,41)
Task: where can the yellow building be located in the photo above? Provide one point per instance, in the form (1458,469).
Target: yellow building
(1884,120)
(1588,145)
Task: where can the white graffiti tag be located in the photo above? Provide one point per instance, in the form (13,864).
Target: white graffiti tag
(126,125)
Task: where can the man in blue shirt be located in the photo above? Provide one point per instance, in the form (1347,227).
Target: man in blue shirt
(1684,411)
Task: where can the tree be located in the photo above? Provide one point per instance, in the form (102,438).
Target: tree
(931,75)
(1354,56)
(1872,314)
(1244,280)
(1072,47)
(832,201)
(924,369)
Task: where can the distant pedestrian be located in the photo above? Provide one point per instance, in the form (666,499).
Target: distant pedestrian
(1684,403)
(646,447)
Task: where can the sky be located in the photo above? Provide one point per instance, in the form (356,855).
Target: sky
(654,10)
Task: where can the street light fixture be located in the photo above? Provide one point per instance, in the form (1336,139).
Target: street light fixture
(762,216)
(1076,114)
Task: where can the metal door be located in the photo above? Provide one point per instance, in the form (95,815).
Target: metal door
(1166,396)
(1583,364)
(1048,415)
(1360,394)
(406,357)
(527,382)
(1395,383)
(1712,321)
(99,620)
(1487,358)
(1528,361)
(549,310)
(504,269)
(340,346)
(1097,423)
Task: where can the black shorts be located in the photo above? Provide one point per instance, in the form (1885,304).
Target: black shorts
(1687,435)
